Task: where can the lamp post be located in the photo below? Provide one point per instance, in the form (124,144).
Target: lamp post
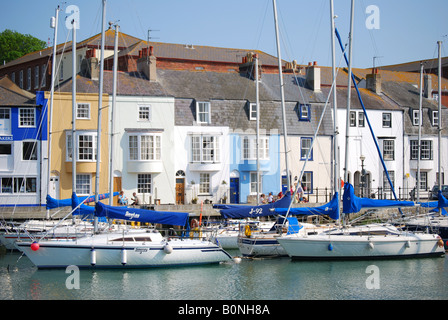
(363,175)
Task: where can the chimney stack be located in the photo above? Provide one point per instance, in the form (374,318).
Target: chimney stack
(427,86)
(147,63)
(90,65)
(373,81)
(313,78)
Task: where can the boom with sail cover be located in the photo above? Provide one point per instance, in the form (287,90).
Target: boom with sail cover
(57,203)
(442,203)
(330,209)
(241,212)
(141,215)
(352,203)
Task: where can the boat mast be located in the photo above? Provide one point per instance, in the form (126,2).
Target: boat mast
(349,89)
(280,74)
(74,72)
(100,107)
(258,126)
(336,182)
(439,43)
(417,185)
(54,24)
(112,113)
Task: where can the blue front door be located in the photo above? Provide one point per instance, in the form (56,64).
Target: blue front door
(234,190)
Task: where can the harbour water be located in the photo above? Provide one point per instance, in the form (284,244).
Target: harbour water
(255,280)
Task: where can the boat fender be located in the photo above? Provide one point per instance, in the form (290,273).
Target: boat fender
(247,231)
(167,248)
(440,243)
(371,245)
(124,257)
(194,223)
(93,257)
(330,247)
(35,246)
(237,260)
(408,244)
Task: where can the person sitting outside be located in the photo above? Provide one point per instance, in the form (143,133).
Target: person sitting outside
(122,199)
(135,199)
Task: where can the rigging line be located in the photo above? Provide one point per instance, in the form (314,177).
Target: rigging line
(299,181)
(368,122)
(301,95)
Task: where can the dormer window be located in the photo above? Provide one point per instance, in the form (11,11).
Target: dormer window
(203,112)
(416,117)
(252,111)
(304,111)
(435,118)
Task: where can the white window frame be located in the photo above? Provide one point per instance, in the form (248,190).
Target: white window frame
(81,112)
(387,123)
(145,147)
(94,140)
(249,148)
(252,111)
(361,119)
(84,184)
(205,149)
(20,184)
(386,184)
(305,146)
(388,149)
(27,120)
(144,112)
(144,183)
(203,112)
(352,119)
(435,118)
(5,121)
(253,183)
(416,117)
(204,183)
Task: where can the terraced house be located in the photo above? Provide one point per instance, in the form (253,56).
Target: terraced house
(184,125)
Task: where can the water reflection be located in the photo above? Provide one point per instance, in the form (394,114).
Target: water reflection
(270,279)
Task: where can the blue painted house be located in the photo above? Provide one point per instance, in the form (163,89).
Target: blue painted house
(23,146)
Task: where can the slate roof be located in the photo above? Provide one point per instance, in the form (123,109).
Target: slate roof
(12,95)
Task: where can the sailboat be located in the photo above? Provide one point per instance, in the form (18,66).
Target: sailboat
(436,220)
(253,243)
(374,241)
(130,248)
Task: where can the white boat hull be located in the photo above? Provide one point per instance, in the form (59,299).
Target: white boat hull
(325,247)
(87,254)
(228,241)
(260,247)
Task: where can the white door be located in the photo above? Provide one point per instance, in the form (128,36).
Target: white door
(54,187)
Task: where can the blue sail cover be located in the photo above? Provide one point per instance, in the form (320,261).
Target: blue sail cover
(83,210)
(241,212)
(442,203)
(141,215)
(352,203)
(57,203)
(331,209)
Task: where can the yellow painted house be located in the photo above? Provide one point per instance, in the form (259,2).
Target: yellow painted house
(86,145)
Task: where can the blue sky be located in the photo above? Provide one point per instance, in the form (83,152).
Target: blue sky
(408,29)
